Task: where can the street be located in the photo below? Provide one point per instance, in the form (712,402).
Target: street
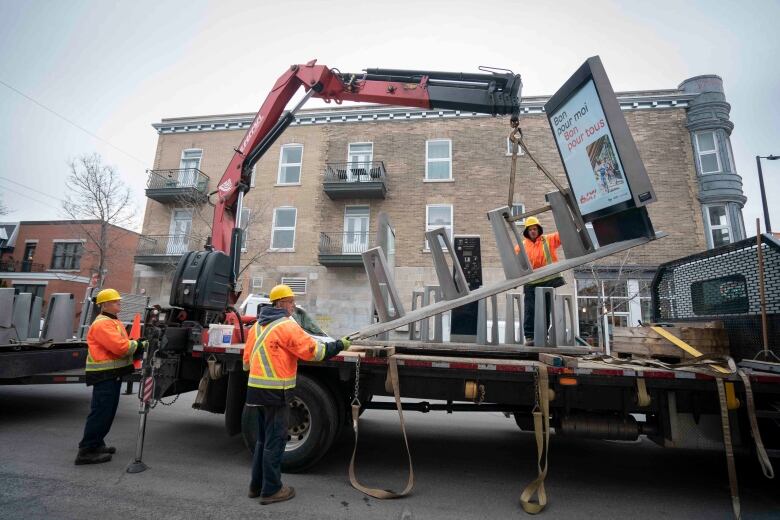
(469,466)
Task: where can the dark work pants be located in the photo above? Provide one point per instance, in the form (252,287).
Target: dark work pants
(529,304)
(105,399)
(269,448)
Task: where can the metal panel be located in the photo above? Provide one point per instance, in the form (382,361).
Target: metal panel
(35,318)
(381,283)
(514,302)
(571,228)
(452,285)
(59,318)
(482,319)
(515,264)
(6,306)
(21,317)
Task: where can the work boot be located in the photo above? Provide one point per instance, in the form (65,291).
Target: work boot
(286,493)
(253,493)
(529,342)
(106,449)
(91,456)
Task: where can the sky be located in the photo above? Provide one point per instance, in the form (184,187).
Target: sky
(79,77)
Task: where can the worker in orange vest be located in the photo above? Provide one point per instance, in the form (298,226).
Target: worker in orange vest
(541,251)
(110,357)
(273,347)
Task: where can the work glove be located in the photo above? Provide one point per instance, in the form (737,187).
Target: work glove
(345,343)
(143,344)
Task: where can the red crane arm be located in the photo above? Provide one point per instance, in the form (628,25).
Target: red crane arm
(327,85)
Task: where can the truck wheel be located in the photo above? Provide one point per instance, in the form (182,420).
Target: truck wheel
(312,427)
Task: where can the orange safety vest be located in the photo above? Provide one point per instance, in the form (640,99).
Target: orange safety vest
(109,346)
(542,252)
(272,352)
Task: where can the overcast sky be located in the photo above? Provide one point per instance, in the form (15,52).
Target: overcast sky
(114,68)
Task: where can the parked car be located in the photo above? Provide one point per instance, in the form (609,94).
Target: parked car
(252,304)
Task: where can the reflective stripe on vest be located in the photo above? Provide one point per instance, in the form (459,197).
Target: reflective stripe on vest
(547,261)
(110,364)
(269,380)
(319,352)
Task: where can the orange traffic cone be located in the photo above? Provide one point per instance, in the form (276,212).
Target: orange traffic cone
(135,333)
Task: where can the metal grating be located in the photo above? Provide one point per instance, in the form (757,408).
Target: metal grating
(298,285)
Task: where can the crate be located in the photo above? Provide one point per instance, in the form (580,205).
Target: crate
(706,337)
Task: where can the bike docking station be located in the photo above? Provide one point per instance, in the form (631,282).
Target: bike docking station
(608,191)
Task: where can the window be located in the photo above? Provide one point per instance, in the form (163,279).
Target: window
(626,301)
(34,289)
(298,285)
(438,163)
(724,295)
(718,225)
(436,216)
(189,166)
(246,216)
(290,159)
(518,209)
(283,232)
(509,148)
(355,230)
(257,282)
(67,255)
(707,148)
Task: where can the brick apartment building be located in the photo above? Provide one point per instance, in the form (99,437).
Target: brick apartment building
(330,185)
(47,257)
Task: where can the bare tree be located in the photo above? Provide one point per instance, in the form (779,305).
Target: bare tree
(96,192)
(202,218)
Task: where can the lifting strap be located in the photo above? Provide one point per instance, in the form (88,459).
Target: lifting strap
(392,379)
(541,414)
(724,419)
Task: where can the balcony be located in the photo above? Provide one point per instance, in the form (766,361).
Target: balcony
(355,180)
(344,249)
(155,250)
(185,185)
(9,265)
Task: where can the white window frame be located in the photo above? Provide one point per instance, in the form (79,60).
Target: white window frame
(281,164)
(710,228)
(350,145)
(429,160)
(429,227)
(254,176)
(509,149)
(257,282)
(716,151)
(274,228)
(520,212)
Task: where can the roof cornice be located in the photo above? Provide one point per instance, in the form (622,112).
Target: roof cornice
(640,100)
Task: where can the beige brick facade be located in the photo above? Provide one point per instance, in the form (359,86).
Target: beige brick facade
(339,296)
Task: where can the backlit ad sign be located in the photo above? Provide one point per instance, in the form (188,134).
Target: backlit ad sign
(599,155)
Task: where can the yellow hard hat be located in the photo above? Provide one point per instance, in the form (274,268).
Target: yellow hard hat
(107,295)
(280,291)
(532,221)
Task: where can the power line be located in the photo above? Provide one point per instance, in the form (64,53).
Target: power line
(140,161)
(47,204)
(32,189)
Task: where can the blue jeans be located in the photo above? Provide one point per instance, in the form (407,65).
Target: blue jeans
(105,400)
(269,448)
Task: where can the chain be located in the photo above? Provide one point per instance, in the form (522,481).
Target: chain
(355,399)
(160,401)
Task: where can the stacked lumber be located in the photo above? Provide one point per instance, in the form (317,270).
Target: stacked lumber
(707,337)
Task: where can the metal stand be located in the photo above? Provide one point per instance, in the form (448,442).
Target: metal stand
(421,330)
(571,228)
(145,396)
(515,264)
(383,291)
(452,281)
(514,302)
(482,319)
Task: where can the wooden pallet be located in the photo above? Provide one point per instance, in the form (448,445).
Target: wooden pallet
(711,338)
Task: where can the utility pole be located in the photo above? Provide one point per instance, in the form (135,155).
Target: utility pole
(767,224)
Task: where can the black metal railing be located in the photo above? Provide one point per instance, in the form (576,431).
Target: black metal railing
(10,265)
(178,178)
(163,245)
(372,171)
(347,243)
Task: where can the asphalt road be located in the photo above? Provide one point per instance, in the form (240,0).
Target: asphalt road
(467,466)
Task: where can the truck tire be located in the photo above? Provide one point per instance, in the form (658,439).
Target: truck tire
(312,428)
